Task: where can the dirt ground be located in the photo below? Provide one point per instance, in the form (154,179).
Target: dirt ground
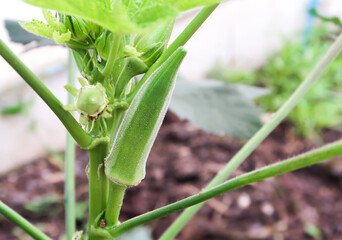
(306,204)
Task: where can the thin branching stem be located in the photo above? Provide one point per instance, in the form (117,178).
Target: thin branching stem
(69,187)
(76,131)
(254,142)
(291,164)
(21,222)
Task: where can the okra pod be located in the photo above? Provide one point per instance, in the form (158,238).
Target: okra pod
(126,161)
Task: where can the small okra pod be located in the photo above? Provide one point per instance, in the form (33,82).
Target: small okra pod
(79,28)
(152,44)
(126,161)
(125,69)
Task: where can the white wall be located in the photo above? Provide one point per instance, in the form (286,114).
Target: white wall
(242,34)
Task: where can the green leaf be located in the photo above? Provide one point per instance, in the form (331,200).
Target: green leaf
(18,35)
(53,29)
(334,20)
(45,205)
(126,16)
(312,230)
(219,108)
(184,5)
(20,107)
(38,28)
(95,11)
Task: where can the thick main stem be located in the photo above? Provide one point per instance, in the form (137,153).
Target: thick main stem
(253,143)
(98,183)
(76,131)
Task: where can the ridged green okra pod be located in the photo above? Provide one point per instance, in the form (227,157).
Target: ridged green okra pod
(126,161)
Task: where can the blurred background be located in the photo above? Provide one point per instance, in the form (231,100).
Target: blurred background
(271,44)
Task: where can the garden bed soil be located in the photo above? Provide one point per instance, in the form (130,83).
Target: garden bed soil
(182,161)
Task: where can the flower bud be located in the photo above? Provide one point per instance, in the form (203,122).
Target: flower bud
(81,29)
(91,100)
(152,44)
(103,44)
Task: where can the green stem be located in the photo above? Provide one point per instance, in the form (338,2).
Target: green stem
(117,116)
(98,183)
(180,41)
(295,163)
(22,222)
(113,55)
(252,144)
(114,204)
(69,188)
(76,131)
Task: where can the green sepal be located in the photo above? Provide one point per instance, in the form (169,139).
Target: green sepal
(152,54)
(86,66)
(71,89)
(83,119)
(126,161)
(96,142)
(159,34)
(81,57)
(130,51)
(61,37)
(69,107)
(104,43)
(82,82)
(79,28)
(153,43)
(52,21)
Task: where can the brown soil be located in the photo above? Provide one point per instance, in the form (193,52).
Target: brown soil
(182,161)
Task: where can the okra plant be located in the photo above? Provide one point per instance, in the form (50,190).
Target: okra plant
(112,42)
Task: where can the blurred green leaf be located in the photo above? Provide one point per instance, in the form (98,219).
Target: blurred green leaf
(81,210)
(45,205)
(126,16)
(312,230)
(56,158)
(282,74)
(19,35)
(217,107)
(20,107)
(334,20)
(117,16)
(184,5)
